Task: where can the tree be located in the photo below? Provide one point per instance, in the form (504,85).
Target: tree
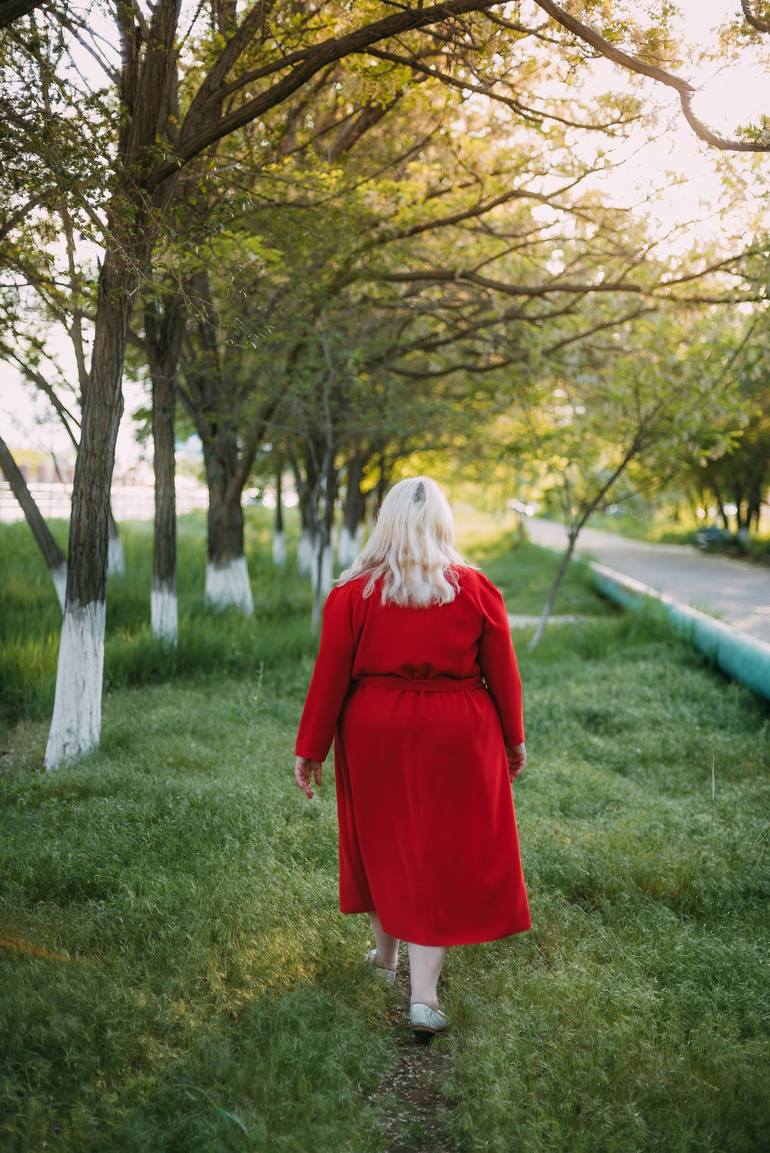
(739,473)
(163,334)
(639,406)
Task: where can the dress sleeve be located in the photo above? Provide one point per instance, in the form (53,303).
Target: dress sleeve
(330,679)
(499,666)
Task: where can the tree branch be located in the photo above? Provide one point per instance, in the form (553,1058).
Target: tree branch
(193,141)
(11,10)
(755,21)
(487,90)
(21,213)
(683,88)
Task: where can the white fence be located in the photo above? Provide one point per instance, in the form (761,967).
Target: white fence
(129,501)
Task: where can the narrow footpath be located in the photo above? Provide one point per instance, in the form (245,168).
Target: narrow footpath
(735,591)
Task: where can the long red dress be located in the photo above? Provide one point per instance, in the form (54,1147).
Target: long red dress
(427,828)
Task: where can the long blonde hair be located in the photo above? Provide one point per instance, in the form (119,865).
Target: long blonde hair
(411,547)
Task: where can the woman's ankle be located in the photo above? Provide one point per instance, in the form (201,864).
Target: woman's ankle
(388,963)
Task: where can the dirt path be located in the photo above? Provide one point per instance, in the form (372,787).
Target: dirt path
(411,1095)
(735,591)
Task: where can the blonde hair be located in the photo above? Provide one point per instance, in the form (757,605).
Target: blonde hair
(411,547)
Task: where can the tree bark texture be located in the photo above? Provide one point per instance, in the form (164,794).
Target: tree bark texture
(563,564)
(11,10)
(353,510)
(116,557)
(304,486)
(279,537)
(227,579)
(76,722)
(163,329)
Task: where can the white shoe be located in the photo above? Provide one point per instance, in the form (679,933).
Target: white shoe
(387,975)
(426,1019)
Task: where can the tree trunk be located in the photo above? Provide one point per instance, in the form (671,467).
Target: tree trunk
(317,562)
(742,515)
(370,511)
(163,337)
(227,574)
(76,723)
(352,529)
(322,499)
(738,498)
(116,557)
(721,507)
(323,568)
(755,502)
(11,10)
(382,483)
(572,536)
(306,546)
(279,538)
(574,530)
(52,554)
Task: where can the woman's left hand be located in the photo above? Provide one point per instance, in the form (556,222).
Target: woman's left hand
(302,770)
(517,759)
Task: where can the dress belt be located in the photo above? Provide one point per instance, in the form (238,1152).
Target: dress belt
(423,684)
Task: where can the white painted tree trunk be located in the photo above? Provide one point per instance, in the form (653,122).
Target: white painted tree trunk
(59,578)
(116,557)
(279,548)
(327,567)
(163,614)
(77,712)
(305,553)
(345,547)
(228,586)
(349,546)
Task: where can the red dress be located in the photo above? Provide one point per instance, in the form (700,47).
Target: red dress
(427,828)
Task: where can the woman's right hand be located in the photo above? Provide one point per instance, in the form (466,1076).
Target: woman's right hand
(517,759)
(303,768)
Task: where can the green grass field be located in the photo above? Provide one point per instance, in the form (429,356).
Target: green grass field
(176,975)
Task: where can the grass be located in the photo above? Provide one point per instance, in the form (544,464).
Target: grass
(209,645)
(526,581)
(214,645)
(175,971)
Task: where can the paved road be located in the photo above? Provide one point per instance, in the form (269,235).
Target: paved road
(735,591)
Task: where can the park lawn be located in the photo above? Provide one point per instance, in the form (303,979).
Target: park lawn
(30,619)
(176,974)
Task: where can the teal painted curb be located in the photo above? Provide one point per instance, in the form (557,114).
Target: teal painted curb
(742,657)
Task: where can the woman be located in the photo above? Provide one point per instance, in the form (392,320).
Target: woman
(424,749)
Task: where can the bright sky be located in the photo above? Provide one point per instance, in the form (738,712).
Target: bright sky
(738,92)
(677,170)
